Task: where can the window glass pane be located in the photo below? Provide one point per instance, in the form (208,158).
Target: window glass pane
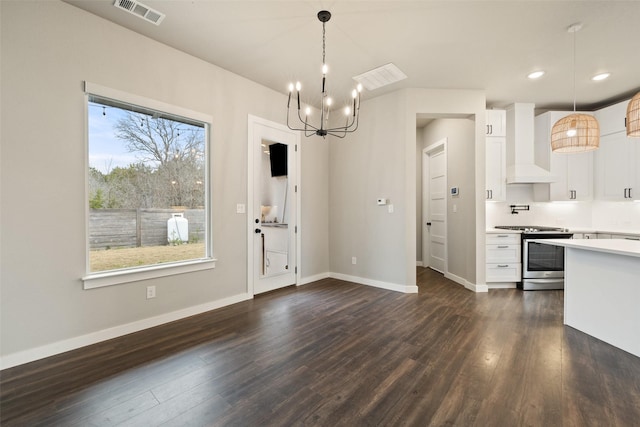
(147,186)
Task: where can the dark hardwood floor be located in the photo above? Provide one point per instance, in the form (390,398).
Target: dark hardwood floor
(334,353)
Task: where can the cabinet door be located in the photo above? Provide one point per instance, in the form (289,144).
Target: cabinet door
(612,163)
(496,169)
(634,168)
(580,176)
(496,123)
(612,119)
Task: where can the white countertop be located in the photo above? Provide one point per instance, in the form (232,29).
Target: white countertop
(572,230)
(613,246)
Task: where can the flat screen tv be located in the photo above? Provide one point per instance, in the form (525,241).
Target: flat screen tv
(278,157)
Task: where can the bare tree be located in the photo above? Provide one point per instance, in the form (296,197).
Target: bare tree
(160,140)
(170,170)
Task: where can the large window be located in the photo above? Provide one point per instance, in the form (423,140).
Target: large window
(147,187)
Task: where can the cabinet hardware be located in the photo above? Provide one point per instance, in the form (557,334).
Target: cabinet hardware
(503,266)
(502,235)
(503,247)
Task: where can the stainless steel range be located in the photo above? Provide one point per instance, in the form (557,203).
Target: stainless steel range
(542,265)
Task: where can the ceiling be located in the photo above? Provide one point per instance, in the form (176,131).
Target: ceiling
(485,45)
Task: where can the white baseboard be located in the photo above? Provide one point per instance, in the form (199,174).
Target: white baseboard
(419,263)
(376,283)
(506,285)
(37,353)
(314,278)
(466,283)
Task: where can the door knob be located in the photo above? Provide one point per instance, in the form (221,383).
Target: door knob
(258,231)
(428,223)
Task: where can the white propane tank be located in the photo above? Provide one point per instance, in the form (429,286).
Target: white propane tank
(177,229)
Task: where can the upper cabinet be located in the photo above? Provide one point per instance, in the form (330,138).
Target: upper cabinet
(574,171)
(617,161)
(496,169)
(496,162)
(618,158)
(613,119)
(496,123)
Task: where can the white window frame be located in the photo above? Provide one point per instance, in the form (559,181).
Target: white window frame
(116,277)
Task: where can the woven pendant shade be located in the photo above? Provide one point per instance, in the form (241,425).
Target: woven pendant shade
(633,116)
(575,133)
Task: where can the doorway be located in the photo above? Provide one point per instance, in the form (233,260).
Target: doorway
(273,202)
(434,206)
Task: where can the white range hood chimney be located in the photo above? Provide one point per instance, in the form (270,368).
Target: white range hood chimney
(521,167)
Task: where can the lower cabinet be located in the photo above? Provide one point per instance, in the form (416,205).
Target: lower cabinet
(504,258)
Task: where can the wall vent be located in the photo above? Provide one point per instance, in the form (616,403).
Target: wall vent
(140,10)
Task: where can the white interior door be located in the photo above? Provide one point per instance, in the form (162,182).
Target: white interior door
(273,206)
(434,209)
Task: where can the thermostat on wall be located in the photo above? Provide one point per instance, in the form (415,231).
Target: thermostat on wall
(454,191)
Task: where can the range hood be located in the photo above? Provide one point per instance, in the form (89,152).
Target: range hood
(521,166)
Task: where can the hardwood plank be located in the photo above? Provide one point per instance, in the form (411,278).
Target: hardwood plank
(337,353)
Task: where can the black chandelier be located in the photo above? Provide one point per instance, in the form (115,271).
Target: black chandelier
(351,112)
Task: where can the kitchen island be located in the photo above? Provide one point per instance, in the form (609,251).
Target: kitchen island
(602,289)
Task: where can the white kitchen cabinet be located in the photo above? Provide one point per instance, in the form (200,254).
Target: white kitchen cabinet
(496,179)
(612,119)
(496,123)
(503,257)
(618,167)
(574,171)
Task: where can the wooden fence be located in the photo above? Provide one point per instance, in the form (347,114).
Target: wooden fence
(127,228)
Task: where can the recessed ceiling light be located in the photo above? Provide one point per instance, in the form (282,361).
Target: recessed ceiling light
(600,76)
(535,75)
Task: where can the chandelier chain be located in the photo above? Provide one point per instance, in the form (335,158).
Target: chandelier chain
(323,44)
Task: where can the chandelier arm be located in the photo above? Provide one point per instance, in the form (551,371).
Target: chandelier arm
(306,123)
(305,129)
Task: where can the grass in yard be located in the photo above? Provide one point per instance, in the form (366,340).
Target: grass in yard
(113,259)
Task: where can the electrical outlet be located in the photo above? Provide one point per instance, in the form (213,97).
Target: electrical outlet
(151,292)
(354,260)
(390,208)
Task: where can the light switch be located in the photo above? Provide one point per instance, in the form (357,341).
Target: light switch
(390,207)
(240,208)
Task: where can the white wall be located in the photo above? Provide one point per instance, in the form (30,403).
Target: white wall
(364,166)
(460,168)
(48,49)
(380,161)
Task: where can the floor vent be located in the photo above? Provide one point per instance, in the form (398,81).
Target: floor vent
(140,10)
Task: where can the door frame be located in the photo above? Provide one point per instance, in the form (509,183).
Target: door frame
(440,145)
(255,125)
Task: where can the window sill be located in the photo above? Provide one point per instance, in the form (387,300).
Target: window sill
(99,280)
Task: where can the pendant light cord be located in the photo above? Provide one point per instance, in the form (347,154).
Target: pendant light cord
(574,71)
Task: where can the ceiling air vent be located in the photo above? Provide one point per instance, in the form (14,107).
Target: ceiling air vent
(381,76)
(140,10)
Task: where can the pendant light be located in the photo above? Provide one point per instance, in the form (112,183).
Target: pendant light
(633,116)
(576,132)
(352,113)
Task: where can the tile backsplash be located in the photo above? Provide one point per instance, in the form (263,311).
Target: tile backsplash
(597,215)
